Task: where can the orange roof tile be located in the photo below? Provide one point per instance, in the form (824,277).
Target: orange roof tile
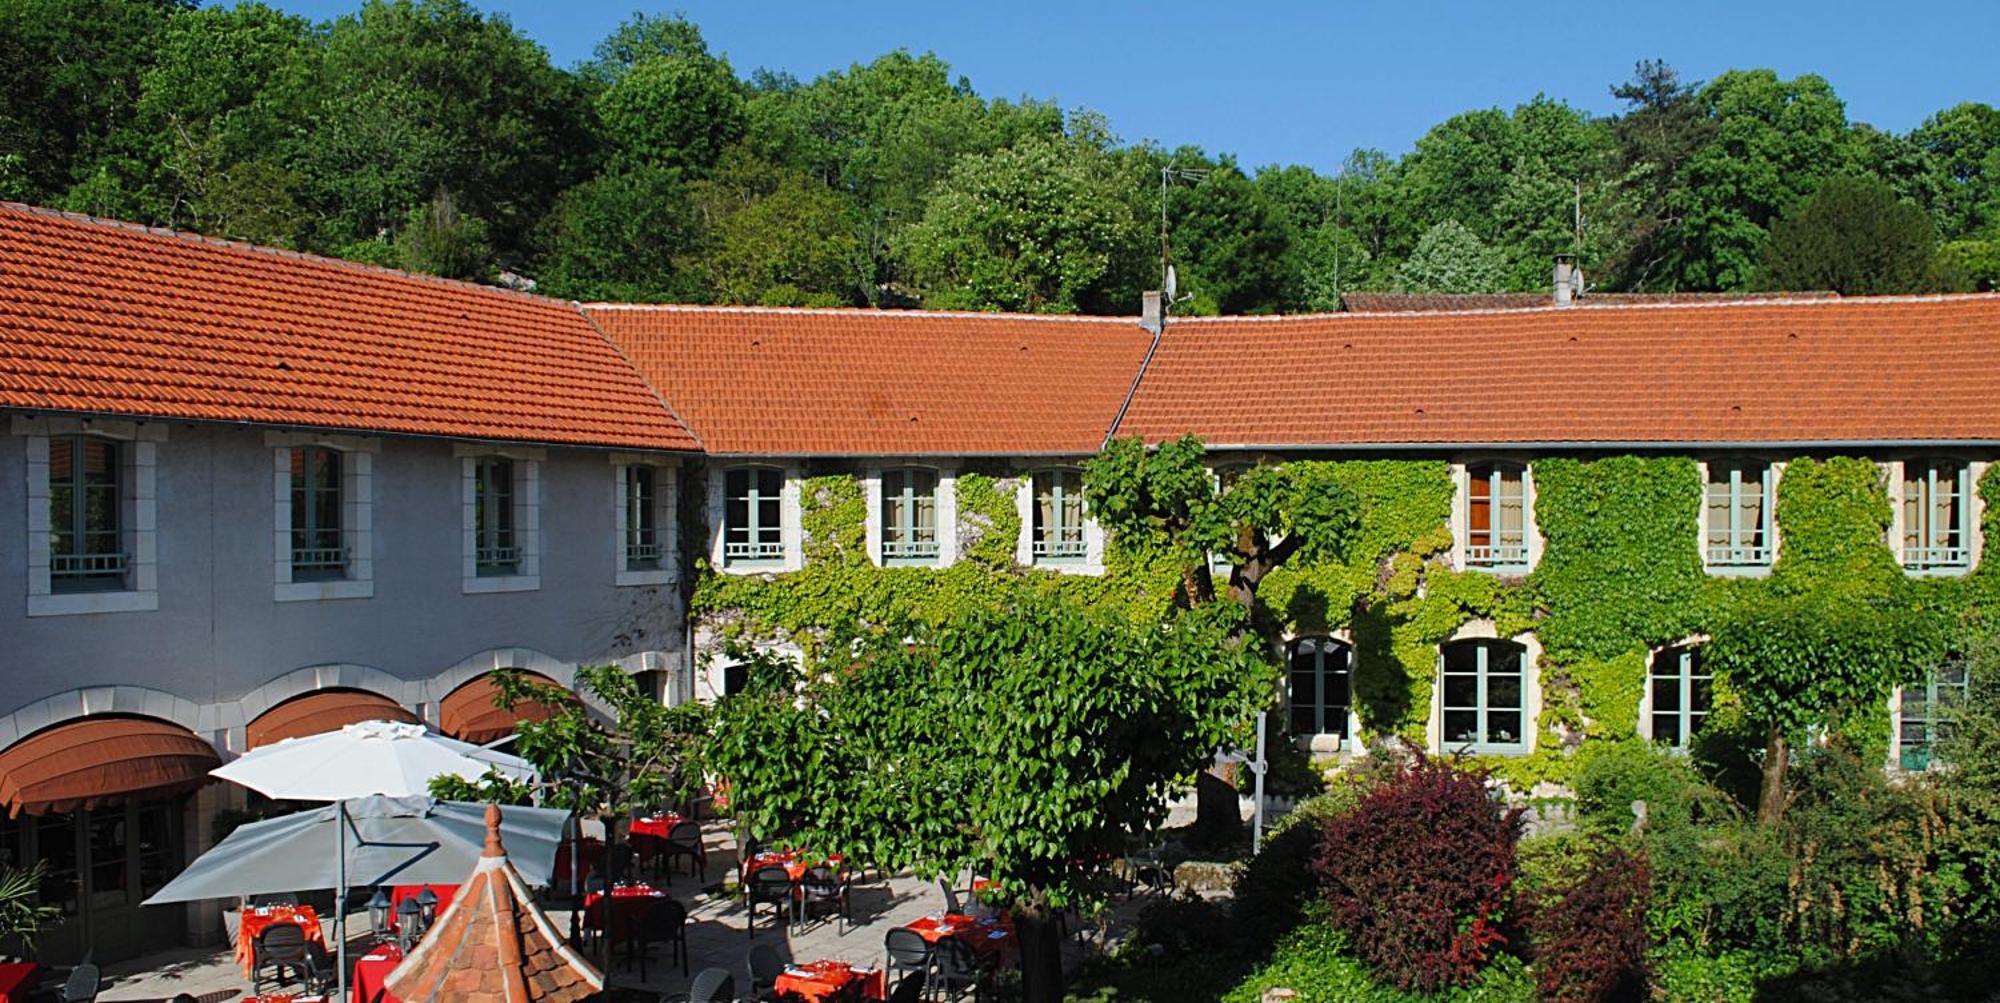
(111,318)
(1427,302)
(753,381)
(1798,371)
(493,944)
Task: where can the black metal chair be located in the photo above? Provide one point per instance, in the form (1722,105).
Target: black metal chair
(908,952)
(281,948)
(711,985)
(684,840)
(762,966)
(664,923)
(952,906)
(819,887)
(770,884)
(81,986)
(955,970)
(910,990)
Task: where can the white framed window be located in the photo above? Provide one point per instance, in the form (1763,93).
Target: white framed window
(1056,533)
(93,515)
(1321,678)
(1738,516)
(1679,694)
(1935,516)
(1220,564)
(323,516)
(1483,696)
(647,528)
(1496,531)
(753,518)
(1927,711)
(501,496)
(912,516)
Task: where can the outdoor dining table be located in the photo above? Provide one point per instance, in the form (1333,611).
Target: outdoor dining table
(371,972)
(17,980)
(260,918)
(649,834)
(286,998)
(400,893)
(795,862)
(592,849)
(819,980)
(990,937)
(628,909)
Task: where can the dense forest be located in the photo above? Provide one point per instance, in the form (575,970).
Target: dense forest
(433,137)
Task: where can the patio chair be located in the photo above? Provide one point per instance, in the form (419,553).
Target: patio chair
(769,884)
(664,923)
(956,970)
(684,840)
(81,986)
(281,949)
(910,990)
(820,887)
(909,952)
(952,906)
(763,966)
(711,985)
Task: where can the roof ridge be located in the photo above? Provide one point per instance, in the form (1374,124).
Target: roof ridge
(278,252)
(865,311)
(644,380)
(1764,300)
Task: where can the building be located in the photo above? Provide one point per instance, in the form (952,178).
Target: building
(257,493)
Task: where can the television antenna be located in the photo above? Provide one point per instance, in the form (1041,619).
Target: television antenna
(1169,279)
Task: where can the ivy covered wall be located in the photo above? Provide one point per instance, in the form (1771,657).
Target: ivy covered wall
(1620,575)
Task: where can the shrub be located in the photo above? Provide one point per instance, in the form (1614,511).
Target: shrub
(1276,884)
(1590,941)
(1319,964)
(1418,875)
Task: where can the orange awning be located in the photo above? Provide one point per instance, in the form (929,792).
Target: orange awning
(95,760)
(322,711)
(468,714)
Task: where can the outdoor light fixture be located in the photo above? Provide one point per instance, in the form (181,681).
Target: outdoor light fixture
(428,901)
(378,913)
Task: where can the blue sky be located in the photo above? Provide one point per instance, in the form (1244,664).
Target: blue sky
(1309,82)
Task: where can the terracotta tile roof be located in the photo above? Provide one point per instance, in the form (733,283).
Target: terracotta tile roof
(1837,370)
(493,944)
(883,383)
(110,318)
(1430,302)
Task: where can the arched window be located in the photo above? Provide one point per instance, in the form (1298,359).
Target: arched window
(1937,513)
(909,516)
(1058,517)
(1679,694)
(752,516)
(1496,516)
(1321,686)
(1484,695)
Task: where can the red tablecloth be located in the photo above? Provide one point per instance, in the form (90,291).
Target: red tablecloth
(628,909)
(256,921)
(649,835)
(795,862)
(560,876)
(285,998)
(819,979)
(371,971)
(399,893)
(18,979)
(990,937)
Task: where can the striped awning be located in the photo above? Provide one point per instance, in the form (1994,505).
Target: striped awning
(468,713)
(92,761)
(322,711)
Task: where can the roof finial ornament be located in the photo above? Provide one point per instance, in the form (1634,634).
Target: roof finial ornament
(493,848)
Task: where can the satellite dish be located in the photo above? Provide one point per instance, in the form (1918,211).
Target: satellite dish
(1173,282)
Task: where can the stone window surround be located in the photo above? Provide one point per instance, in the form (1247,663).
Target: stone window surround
(1701,515)
(527,517)
(1024,507)
(1322,745)
(1975,536)
(947,511)
(1531,690)
(1461,518)
(666,487)
(357,508)
(790,518)
(141,504)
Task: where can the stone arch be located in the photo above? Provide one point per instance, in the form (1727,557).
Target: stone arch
(479,664)
(333,675)
(88,700)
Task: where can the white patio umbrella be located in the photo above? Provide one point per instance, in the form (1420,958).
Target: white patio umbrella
(362,760)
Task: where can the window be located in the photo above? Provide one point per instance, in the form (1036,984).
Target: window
(1484,696)
(1058,517)
(86,544)
(1679,695)
(1937,510)
(642,531)
(1929,711)
(493,517)
(1496,526)
(319,548)
(909,517)
(159,859)
(1320,676)
(1222,563)
(1737,507)
(107,855)
(752,519)
(55,845)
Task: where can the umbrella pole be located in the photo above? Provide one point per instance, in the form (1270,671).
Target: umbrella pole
(340,906)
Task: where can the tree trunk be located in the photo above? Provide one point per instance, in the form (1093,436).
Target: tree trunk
(1041,953)
(1771,795)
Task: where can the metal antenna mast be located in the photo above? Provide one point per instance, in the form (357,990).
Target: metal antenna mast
(1168,175)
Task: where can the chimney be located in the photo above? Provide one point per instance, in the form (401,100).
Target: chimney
(1152,311)
(1568,280)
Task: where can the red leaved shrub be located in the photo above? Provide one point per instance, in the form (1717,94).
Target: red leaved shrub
(1590,939)
(1419,874)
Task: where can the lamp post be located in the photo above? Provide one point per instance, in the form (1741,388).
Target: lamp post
(378,914)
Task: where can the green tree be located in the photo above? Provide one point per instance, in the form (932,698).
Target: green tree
(1030,228)
(1034,741)
(1852,236)
(69,78)
(676,111)
(618,236)
(1451,259)
(1656,139)
(775,237)
(1962,147)
(639,38)
(441,240)
(1231,248)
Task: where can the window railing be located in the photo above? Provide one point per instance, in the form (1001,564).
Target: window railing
(642,555)
(1925,558)
(1496,555)
(497,560)
(909,550)
(321,562)
(87,571)
(1724,556)
(1060,550)
(755,550)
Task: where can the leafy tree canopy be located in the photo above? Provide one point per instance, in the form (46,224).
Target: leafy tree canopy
(1852,236)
